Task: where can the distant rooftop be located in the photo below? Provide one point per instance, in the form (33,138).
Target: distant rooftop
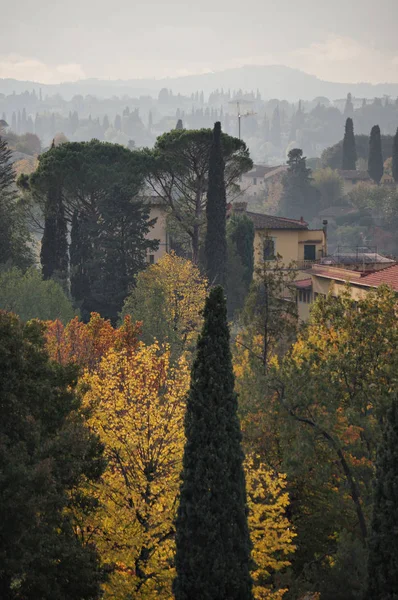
(356,258)
(261,221)
(264,171)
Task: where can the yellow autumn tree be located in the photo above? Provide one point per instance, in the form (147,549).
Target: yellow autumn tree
(136,403)
(168,298)
(270,531)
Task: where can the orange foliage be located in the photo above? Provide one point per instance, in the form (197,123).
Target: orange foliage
(86,343)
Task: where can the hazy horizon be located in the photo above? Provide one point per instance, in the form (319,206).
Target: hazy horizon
(343,42)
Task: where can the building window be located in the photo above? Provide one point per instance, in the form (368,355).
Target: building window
(304,296)
(309,252)
(269,249)
(151,259)
(254,180)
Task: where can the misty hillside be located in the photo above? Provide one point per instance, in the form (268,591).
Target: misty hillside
(272,82)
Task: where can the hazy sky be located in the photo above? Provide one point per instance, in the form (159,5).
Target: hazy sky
(339,40)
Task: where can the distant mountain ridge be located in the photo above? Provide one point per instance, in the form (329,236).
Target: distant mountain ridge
(272,81)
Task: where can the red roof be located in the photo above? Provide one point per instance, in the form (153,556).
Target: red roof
(303,283)
(388,276)
(261,221)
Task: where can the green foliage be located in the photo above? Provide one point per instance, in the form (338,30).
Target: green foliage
(299,197)
(335,386)
(270,312)
(333,156)
(177,170)
(212,537)
(240,250)
(375,161)
(168,298)
(54,243)
(13,232)
(240,230)
(216,214)
(383,542)
(46,455)
(329,185)
(349,148)
(102,182)
(30,297)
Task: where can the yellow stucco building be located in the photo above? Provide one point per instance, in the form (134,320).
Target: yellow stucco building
(290,238)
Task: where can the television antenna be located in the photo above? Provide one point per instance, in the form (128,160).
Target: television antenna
(241,115)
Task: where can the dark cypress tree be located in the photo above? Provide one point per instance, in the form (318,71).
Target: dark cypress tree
(216,212)
(375,161)
(54,244)
(383,542)
(179,124)
(349,147)
(80,265)
(395,158)
(212,536)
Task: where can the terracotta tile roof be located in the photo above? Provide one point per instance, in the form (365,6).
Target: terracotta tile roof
(303,283)
(388,276)
(261,221)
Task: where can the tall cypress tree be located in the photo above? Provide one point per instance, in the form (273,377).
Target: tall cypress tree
(54,245)
(349,147)
(212,538)
(80,265)
(395,157)
(383,542)
(216,212)
(375,161)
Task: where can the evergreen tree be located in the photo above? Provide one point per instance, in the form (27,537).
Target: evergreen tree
(179,124)
(383,542)
(299,197)
(80,254)
(240,244)
(349,147)
(395,158)
(240,230)
(212,537)
(48,458)
(54,245)
(14,235)
(216,209)
(375,161)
